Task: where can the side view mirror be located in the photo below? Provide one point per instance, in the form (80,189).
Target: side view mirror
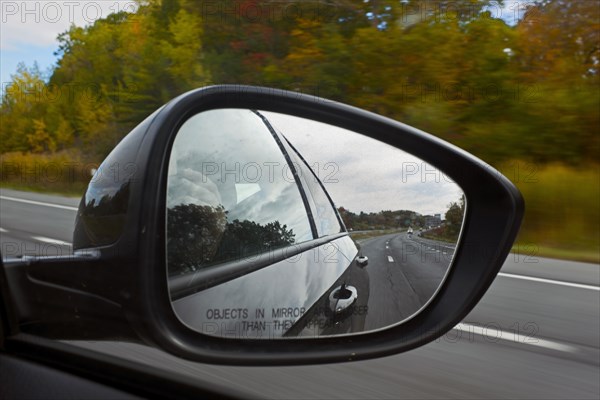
(248,225)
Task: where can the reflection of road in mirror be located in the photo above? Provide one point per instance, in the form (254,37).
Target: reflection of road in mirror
(403,273)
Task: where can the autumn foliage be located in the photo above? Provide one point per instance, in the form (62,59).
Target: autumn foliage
(528,90)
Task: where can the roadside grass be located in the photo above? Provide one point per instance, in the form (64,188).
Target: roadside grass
(529,251)
(562,211)
(74,191)
(374,233)
(64,173)
(441,234)
(438,238)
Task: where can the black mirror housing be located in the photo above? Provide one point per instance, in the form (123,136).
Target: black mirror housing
(493,216)
(491,224)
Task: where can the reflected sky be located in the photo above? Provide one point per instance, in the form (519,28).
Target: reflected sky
(363,174)
(218,154)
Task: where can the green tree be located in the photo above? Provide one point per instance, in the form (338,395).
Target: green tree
(39,140)
(194,234)
(454,218)
(24,101)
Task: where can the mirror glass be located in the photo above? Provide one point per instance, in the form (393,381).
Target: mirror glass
(279,227)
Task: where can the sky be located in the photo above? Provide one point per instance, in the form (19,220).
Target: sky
(363,174)
(29,28)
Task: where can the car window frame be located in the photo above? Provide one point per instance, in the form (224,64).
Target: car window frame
(219,273)
(320,185)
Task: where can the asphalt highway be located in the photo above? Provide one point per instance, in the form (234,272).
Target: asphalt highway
(534,335)
(36,224)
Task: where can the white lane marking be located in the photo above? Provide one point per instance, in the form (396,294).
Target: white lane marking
(51,241)
(387,247)
(38,203)
(390,259)
(551,281)
(3,230)
(495,334)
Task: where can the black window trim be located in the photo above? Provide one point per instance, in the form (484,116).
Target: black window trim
(288,159)
(337,214)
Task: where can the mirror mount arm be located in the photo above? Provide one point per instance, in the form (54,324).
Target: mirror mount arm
(63,297)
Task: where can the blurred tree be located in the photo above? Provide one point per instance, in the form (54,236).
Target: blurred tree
(560,39)
(448,67)
(25,104)
(115,72)
(183,52)
(39,140)
(557,62)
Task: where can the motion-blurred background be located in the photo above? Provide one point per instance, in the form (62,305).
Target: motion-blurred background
(515,83)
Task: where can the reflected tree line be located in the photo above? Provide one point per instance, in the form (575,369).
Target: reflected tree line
(201,236)
(386,219)
(445,228)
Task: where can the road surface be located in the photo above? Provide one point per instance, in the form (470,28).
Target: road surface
(534,335)
(404,272)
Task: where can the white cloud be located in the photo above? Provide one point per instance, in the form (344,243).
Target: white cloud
(40,22)
(368,175)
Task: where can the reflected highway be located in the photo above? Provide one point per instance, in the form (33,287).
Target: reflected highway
(404,272)
(535,334)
